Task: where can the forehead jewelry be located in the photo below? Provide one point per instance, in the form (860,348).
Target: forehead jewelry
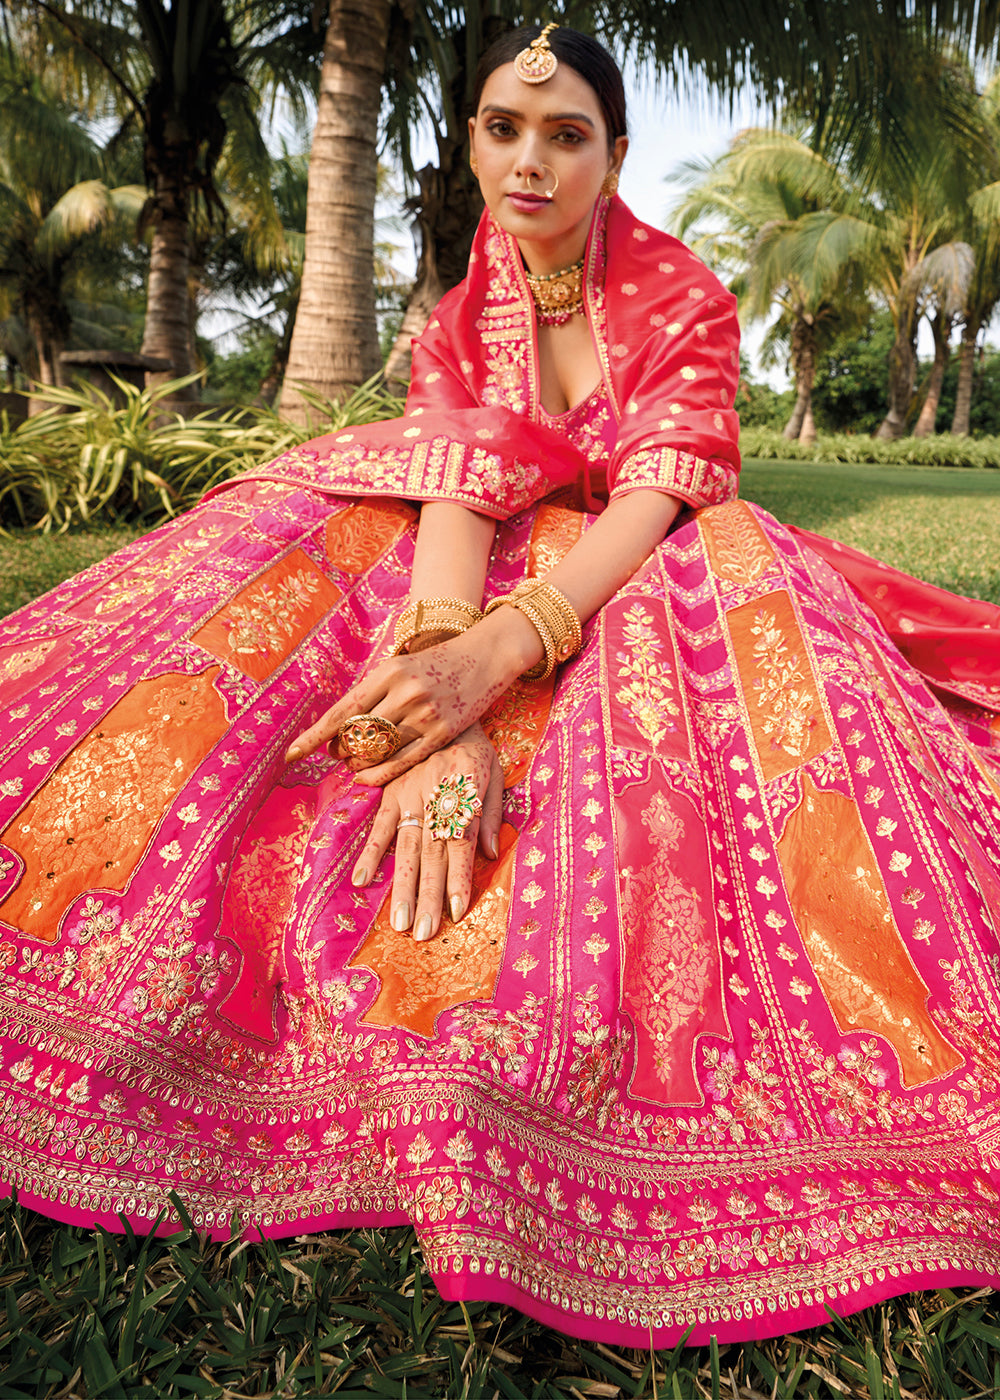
(537,63)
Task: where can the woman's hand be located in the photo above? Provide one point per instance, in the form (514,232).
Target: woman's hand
(431,874)
(432,696)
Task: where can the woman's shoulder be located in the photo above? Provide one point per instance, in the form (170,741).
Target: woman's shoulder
(653,260)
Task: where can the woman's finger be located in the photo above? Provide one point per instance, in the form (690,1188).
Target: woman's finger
(431,892)
(489,822)
(380,838)
(401,761)
(409,837)
(363,699)
(461,862)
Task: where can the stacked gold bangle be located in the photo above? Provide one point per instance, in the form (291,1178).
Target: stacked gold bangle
(441,616)
(554,619)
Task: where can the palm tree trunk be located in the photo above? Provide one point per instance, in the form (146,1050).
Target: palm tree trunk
(447,211)
(166,335)
(335,339)
(941,328)
(47,347)
(803,357)
(902,375)
(966,368)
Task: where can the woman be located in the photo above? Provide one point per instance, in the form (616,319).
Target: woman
(704,1034)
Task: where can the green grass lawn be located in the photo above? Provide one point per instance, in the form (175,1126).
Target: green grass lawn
(942,524)
(351,1313)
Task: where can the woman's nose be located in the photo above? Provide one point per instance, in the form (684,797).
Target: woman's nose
(529,163)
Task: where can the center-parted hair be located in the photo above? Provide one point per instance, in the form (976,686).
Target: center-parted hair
(579,52)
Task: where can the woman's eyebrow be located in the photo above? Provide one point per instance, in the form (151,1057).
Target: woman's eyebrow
(548,117)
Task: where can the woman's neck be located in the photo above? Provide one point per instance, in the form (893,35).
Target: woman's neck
(542,260)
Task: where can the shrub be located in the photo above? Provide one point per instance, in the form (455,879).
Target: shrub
(88,458)
(944,450)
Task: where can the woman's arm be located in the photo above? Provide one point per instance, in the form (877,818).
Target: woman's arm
(436,694)
(451,554)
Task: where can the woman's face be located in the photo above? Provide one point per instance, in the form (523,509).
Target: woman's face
(524,137)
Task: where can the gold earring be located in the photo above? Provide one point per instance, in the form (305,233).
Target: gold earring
(609,185)
(474,165)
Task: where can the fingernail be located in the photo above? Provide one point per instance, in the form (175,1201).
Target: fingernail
(423,929)
(492,847)
(401,918)
(457,907)
(360,876)
(293,753)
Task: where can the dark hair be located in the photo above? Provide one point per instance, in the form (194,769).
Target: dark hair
(579,52)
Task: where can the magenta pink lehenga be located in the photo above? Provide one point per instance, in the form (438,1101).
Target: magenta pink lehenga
(717,1046)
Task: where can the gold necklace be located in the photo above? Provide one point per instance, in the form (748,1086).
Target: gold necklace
(557,296)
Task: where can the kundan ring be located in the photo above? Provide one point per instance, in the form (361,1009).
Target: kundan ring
(452,806)
(368,737)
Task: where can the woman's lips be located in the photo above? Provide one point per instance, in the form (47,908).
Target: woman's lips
(526,203)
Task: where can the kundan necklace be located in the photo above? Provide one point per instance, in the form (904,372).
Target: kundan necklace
(558,296)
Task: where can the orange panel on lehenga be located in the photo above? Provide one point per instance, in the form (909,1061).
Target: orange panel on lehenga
(554,533)
(420,980)
(88,826)
(780,688)
(268,619)
(738,549)
(359,535)
(841,909)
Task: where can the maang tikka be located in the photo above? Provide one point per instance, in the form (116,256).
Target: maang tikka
(537,63)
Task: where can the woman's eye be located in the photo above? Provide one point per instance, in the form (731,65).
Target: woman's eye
(500,129)
(570,137)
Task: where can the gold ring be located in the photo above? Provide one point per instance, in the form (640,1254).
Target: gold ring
(452,806)
(409,820)
(546,194)
(368,737)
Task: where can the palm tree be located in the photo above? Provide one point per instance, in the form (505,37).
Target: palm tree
(744,211)
(53,204)
(983,291)
(189,76)
(334,342)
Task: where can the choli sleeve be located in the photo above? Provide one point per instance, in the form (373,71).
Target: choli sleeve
(679,431)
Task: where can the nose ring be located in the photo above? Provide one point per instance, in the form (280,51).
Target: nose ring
(547,193)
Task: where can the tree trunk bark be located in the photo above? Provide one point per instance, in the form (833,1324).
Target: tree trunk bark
(966,369)
(166,334)
(335,339)
(447,210)
(803,356)
(902,374)
(47,348)
(941,328)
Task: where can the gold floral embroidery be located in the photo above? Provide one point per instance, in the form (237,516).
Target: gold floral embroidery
(737,547)
(361,533)
(648,696)
(267,619)
(782,694)
(88,826)
(21,661)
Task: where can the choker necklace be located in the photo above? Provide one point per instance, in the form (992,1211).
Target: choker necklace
(558,296)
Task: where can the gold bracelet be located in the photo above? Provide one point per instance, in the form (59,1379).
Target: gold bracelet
(451,616)
(554,619)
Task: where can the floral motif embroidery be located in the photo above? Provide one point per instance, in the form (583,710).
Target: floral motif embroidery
(648,696)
